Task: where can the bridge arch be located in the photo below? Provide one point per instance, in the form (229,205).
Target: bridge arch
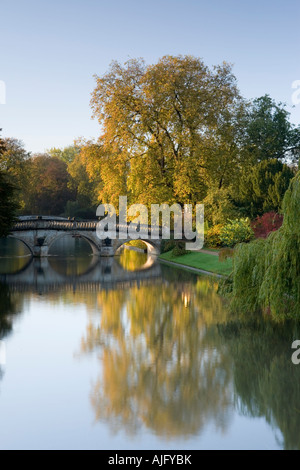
(25,242)
(59,236)
(152,247)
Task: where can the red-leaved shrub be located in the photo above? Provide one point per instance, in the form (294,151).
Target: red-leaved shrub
(267,223)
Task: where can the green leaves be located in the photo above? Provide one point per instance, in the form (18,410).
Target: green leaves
(236,231)
(163,119)
(50,192)
(262,188)
(269,134)
(266,274)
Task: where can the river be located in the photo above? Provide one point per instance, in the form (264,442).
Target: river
(128,353)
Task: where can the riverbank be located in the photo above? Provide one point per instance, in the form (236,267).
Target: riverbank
(204,262)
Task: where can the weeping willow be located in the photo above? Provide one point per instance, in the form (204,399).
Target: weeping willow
(266,273)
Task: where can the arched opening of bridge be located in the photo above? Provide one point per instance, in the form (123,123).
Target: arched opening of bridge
(68,246)
(71,256)
(14,256)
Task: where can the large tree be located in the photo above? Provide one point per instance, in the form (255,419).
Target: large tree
(160,124)
(179,131)
(261,189)
(269,132)
(13,159)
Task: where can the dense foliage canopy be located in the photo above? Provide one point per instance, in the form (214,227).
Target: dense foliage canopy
(262,188)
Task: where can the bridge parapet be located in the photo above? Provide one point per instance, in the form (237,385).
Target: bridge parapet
(45,224)
(53,225)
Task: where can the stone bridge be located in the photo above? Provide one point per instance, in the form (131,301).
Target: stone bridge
(39,234)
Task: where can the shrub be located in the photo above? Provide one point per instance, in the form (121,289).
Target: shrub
(236,231)
(179,249)
(212,236)
(167,245)
(269,222)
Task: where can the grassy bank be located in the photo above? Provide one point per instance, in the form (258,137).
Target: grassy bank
(202,261)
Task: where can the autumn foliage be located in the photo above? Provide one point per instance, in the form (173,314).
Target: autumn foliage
(267,223)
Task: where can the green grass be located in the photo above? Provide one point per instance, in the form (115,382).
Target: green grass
(214,250)
(203,261)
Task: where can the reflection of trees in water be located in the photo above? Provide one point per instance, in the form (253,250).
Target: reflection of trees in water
(163,364)
(9,247)
(10,305)
(267,383)
(132,260)
(70,246)
(70,256)
(14,265)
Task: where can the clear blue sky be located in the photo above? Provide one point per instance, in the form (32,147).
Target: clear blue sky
(50,51)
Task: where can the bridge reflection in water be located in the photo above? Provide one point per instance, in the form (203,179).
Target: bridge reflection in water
(89,273)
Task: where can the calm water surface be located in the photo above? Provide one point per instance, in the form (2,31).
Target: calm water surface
(127,353)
